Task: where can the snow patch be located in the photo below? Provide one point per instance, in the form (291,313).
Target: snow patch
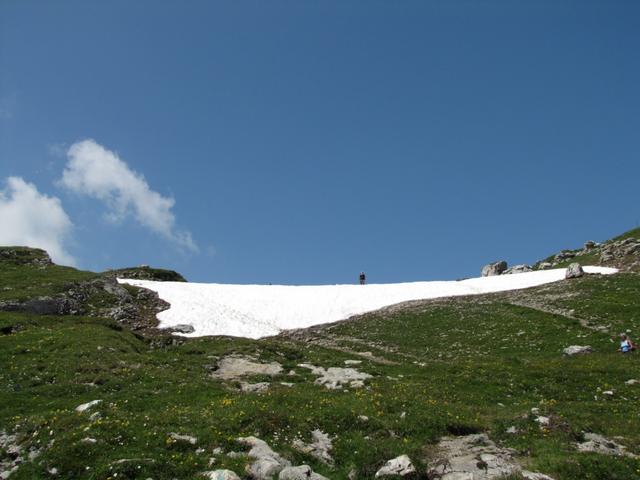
(257,311)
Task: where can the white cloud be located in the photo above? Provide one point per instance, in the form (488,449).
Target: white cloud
(97,172)
(30,218)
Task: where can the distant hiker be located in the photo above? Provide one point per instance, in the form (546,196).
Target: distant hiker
(626,345)
(363,278)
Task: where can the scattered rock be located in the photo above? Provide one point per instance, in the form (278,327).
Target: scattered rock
(235,366)
(527,475)
(574,271)
(577,350)
(352,362)
(517,269)
(303,472)
(544,265)
(496,268)
(512,429)
(633,381)
(397,466)
(183,438)
(543,421)
(182,328)
(319,447)
(599,444)
(336,377)
(220,475)
(13,453)
(254,387)
(87,406)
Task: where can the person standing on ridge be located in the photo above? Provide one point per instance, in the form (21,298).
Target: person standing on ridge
(363,278)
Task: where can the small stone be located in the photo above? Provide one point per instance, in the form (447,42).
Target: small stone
(183,438)
(87,406)
(397,466)
(302,472)
(633,381)
(220,475)
(259,387)
(543,421)
(183,328)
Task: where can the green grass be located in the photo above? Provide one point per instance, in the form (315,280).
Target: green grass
(22,282)
(634,233)
(455,366)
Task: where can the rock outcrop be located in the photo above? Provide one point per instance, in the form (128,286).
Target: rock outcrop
(599,444)
(319,447)
(25,256)
(622,252)
(496,268)
(476,457)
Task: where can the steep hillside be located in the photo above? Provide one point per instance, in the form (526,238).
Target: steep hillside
(487,373)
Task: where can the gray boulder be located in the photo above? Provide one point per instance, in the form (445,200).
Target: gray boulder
(496,268)
(574,271)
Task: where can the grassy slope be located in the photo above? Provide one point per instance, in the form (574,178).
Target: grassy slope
(21,282)
(463,365)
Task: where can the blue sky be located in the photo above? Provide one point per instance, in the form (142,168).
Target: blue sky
(305,141)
